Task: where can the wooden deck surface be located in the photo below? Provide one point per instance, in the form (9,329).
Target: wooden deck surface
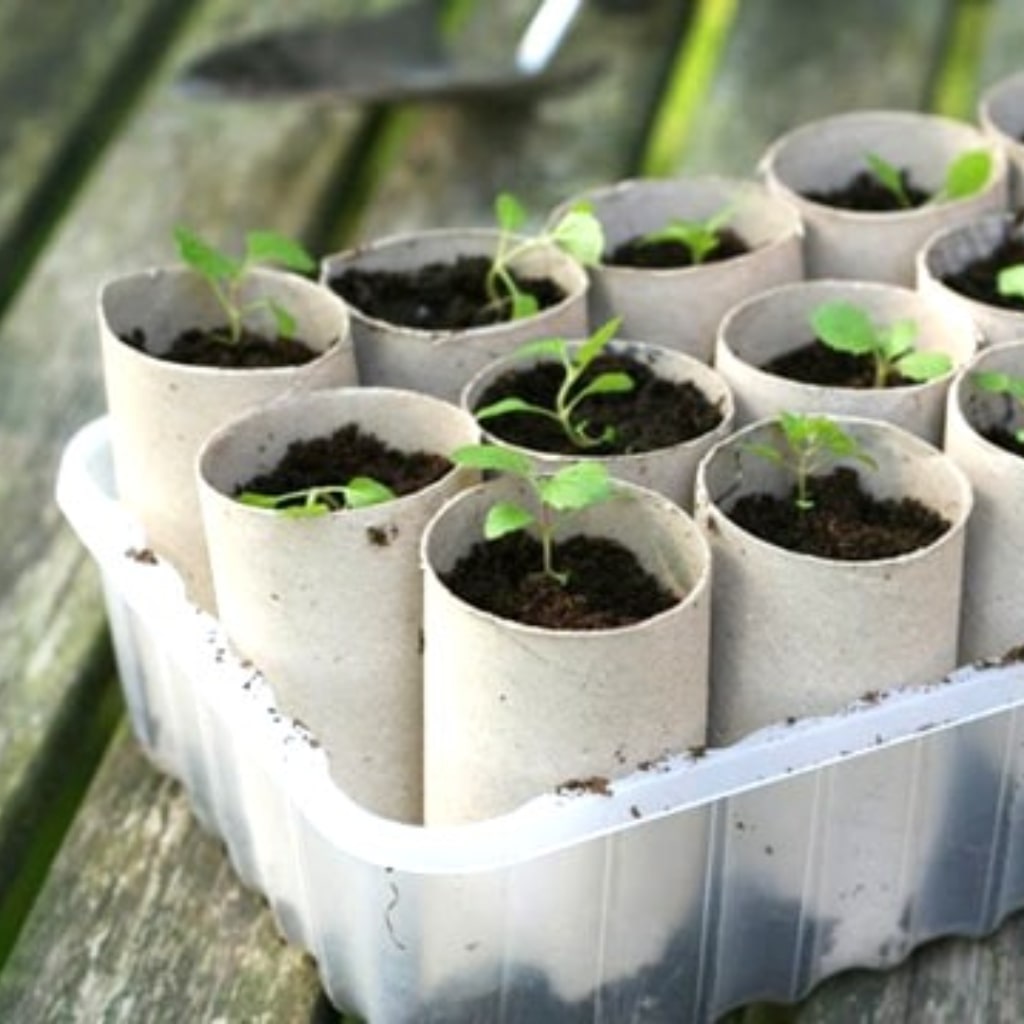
(114,906)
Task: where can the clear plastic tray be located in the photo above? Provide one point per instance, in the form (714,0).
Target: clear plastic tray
(748,873)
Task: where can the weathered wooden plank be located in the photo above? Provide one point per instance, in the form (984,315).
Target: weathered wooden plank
(224,167)
(787,62)
(456,158)
(68,71)
(122,931)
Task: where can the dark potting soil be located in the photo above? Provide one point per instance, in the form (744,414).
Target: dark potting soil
(1005,439)
(864,192)
(196,347)
(634,252)
(977,279)
(817,363)
(348,452)
(655,414)
(845,522)
(436,296)
(607,586)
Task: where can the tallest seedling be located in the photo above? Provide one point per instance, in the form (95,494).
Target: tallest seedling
(226,276)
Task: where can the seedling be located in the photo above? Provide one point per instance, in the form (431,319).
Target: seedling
(571,391)
(226,275)
(359,492)
(1002,384)
(1010,281)
(809,445)
(578,233)
(846,327)
(966,175)
(701,237)
(556,496)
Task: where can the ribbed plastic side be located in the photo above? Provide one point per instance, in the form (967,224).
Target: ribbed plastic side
(698,885)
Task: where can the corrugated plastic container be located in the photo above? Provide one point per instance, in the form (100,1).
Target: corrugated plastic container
(694,886)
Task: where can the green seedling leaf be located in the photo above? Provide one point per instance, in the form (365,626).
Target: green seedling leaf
(226,276)
(284,322)
(809,443)
(523,305)
(924,366)
(312,503)
(766,452)
(509,212)
(701,237)
(491,458)
(847,328)
(844,327)
(505,517)
(698,239)
(999,383)
(203,257)
(571,489)
(596,343)
(572,389)
(966,175)
(897,340)
(1010,281)
(270,247)
(258,500)
(364,491)
(889,177)
(576,487)
(359,492)
(1002,384)
(555,347)
(579,233)
(608,384)
(506,406)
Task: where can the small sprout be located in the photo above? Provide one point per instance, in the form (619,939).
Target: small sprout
(998,383)
(701,237)
(225,275)
(889,177)
(810,443)
(359,492)
(578,233)
(557,496)
(966,175)
(570,393)
(1010,281)
(844,327)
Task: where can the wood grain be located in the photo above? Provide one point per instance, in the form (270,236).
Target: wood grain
(143,920)
(227,167)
